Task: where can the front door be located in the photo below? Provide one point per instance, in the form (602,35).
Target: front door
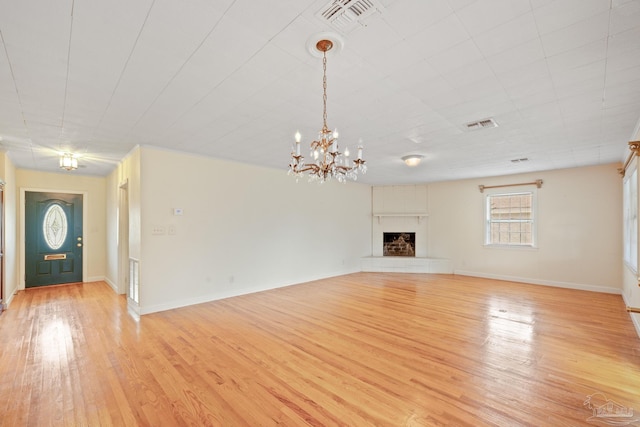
(53,238)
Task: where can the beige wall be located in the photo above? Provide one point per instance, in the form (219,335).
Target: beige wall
(95,226)
(244,228)
(579,222)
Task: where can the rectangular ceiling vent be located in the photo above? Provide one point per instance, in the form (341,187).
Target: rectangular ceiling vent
(348,15)
(482,124)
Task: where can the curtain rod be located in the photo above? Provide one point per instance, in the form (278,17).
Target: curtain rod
(634,146)
(537,183)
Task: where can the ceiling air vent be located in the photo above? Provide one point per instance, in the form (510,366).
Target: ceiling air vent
(482,124)
(347,15)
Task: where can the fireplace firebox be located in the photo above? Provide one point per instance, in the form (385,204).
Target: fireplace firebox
(399,244)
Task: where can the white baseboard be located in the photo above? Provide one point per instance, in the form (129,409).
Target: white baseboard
(229,293)
(110,283)
(7,303)
(569,285)
(199,300)
(635,317)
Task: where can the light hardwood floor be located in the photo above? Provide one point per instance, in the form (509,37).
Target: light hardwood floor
(356,350)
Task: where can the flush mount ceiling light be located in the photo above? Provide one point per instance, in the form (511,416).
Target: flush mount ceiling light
(327,161)
(68,161)
(412,159)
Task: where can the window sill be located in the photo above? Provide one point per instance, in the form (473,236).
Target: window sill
(512,247)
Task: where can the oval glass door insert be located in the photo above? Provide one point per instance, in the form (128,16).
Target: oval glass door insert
(55,226)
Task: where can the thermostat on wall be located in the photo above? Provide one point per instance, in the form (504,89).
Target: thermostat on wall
(177,211)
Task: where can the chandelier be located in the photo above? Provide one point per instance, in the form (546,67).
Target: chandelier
(327,161)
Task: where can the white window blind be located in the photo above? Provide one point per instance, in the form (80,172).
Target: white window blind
(510,219)
(630,207)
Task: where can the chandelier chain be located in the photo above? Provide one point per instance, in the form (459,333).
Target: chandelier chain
(324,89)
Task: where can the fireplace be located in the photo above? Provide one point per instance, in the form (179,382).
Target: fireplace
(399,244)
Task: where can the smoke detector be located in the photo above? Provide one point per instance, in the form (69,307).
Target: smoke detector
(348,15)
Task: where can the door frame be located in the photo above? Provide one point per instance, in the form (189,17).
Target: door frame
(22,215)
(123,238)
(3,297)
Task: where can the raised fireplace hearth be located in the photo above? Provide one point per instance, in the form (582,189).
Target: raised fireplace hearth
(399,244)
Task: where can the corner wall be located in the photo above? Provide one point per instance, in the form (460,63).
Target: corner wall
(579,222)
(243,228)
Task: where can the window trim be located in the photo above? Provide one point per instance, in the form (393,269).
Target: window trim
(629,202)
(534,221)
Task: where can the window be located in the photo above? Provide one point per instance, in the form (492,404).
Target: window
(630,212)
(510,219)
(54,226)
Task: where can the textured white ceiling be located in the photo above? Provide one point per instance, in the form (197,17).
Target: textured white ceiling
(232,79)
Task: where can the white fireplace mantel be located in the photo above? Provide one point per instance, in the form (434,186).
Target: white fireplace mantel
(419,215)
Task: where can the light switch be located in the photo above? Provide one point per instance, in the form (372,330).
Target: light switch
(158,230)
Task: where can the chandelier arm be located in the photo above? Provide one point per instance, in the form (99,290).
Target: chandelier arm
(312,167)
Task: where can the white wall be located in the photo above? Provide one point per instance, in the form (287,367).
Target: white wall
(579,239)
(244,228)
(94,228)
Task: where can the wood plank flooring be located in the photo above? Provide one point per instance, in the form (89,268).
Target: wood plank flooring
(357,350)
